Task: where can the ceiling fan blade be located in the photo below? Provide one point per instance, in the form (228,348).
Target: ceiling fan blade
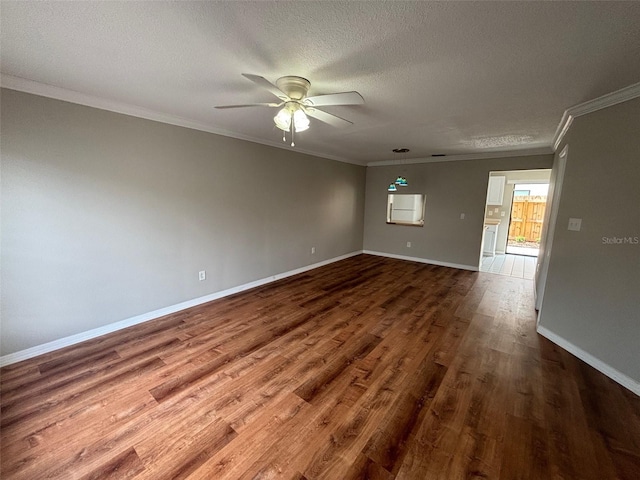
(327,117)
(266,84)
(250,105)
(344,98)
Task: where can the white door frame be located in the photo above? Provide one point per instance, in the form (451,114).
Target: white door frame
(543,261)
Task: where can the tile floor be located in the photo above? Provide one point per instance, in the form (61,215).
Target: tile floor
(519,266)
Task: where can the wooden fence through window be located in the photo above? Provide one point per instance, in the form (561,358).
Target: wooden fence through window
(527,214)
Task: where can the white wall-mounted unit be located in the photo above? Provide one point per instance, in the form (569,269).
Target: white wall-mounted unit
(495,192)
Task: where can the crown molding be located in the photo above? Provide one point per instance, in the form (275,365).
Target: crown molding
(466,156)
(608,100)
(562,129)
(50,91)
(42,89)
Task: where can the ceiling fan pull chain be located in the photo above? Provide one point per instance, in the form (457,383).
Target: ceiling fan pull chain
(292,132)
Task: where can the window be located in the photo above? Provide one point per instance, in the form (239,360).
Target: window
(406,209)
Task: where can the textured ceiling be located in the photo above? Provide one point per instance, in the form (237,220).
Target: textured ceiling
(437,77)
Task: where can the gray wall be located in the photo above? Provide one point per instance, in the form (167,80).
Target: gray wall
(451,188)
(106,216)
(592,295)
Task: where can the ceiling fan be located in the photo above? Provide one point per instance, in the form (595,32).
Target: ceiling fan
(296,106)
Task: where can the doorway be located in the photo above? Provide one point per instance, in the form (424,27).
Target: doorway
(514,213)
(528,204)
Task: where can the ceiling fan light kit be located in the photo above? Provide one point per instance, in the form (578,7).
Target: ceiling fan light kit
(300,121)
(294,116)
(283,120)
(291,119)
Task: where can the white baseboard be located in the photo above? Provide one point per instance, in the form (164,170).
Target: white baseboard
(423,260)
(145,317)
(589,359)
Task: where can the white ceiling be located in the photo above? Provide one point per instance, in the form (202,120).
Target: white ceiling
(437,77)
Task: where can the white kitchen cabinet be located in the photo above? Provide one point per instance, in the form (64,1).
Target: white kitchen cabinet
(495,193)
(489,240)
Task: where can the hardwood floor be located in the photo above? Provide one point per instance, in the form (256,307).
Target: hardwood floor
(369,368)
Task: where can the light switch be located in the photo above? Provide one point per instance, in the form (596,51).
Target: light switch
(502,214)
(575,224)
(490,212)
(462,216)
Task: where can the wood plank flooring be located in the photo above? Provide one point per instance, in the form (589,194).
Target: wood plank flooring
(368,368)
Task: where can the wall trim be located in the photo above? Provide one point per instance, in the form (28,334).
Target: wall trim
(466,156)
(423,260)
(589,359)
(145,317)
(12,82)
(20,84)
(624,94)
(563,128)
(537,181)
(50,91)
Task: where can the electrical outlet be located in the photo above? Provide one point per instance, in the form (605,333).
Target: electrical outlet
(202,275)
(502,214)
(313,250)
(575,224)
(409,244)
(490,212)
